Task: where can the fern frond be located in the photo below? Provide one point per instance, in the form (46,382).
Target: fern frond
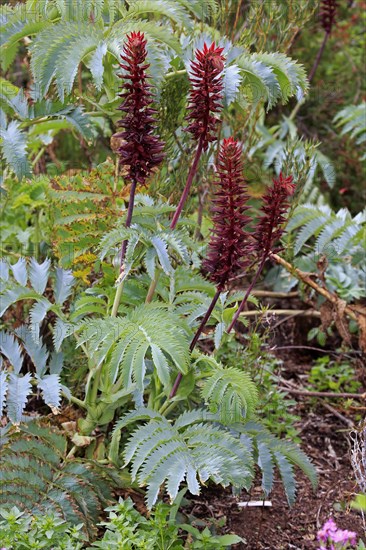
(57,52)
(19,388)
(13,143)
(353,120)
(231,393)
(38,274)
(63,285)
(36,476)
(20,271)
(11,349)
(271,77)
(156,35)
(15,388)
(163,453)
(125,343)
(272,452)
(160,8)
(335,231)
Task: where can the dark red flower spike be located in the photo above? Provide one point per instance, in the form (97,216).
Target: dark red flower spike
(141,150)
(205,98)
(269,229)
(228,252)
(229,249)
(274,209)
(205,103)
(328,12)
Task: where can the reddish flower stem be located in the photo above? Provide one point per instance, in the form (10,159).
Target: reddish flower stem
(318,57)
(191,175)
(195,340)
(249,290)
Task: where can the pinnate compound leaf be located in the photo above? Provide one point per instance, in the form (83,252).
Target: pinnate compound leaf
(64,284)
(18,390)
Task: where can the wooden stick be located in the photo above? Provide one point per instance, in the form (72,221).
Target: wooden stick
(331,395)
(305,278)
(292,312)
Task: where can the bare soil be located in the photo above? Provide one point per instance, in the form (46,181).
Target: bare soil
(324,438)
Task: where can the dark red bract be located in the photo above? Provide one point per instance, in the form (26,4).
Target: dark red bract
(274,209)
(141,151)
(206,93)
(228,251)
(328,12)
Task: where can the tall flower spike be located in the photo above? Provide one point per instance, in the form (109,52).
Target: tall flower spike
(328,12)
(141,151)
(269,229)
(204,105)
(228,251)
(206,94)
(274,209)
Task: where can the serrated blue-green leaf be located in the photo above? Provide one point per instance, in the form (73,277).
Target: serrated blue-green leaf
(17,293)
(51,389)
(231,82)
(58,50)
(18,104)
(20,271)
(37,352)
(259,79)
(4,270)
(38,274)
(11,349)
(291,75)
(14,148)
(79,120)
(96,64)
(149,261)
(3,390)
(61,331)
(64,284)
(38,311)
(266,464)
(162,252)
(329,233)
(56,362)
(311,229)
(161,364)
(327,168)
(129,257)
(139,365)
(18,391)
(17,28)
(159,8)
(287,475)
(219,331)
(154,33)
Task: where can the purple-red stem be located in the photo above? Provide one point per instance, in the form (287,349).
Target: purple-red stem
(318,57)
(195,339)
(249,290)
(192,173)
